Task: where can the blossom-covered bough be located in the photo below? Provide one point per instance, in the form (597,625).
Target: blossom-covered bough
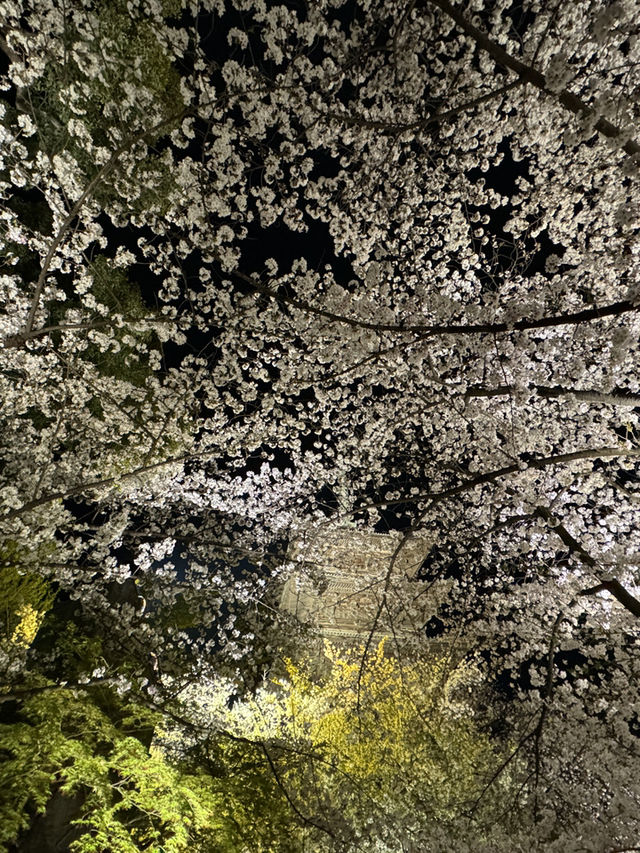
(258,257)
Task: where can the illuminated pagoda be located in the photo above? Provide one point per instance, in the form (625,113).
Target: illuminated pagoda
(346,583)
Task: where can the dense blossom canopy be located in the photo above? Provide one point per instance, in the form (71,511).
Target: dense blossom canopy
(273,266)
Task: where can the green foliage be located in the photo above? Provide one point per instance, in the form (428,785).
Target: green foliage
(131,798)
(75,652)
(307,753)
(351,757)
(73,102)
(113,289)
(119,297)
(180,614)
(252,813)
(130,52)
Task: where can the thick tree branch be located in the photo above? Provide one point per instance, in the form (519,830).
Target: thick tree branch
(387,128)
(491,476)
(628,601)
(90,485)
(615,398)
(570,541)
(523,325)
(20,339)
(531,75)
(427,329)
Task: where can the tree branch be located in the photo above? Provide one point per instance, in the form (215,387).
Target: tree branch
(387,128)
(616,398)
(548,691)
(530,75)
(308,820)
(628,601)
(96,484)
(20,339)
(428,329)
(27,693)
(491,476)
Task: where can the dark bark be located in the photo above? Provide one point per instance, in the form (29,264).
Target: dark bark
(52,831)
(628,601)
(427,330)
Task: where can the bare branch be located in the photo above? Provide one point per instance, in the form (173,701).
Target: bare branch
(304,818)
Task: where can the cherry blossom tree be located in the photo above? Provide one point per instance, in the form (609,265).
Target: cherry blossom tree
(269,266)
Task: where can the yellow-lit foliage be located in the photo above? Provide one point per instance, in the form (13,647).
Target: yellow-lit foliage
(25,631)
(24,597)
(391,729)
